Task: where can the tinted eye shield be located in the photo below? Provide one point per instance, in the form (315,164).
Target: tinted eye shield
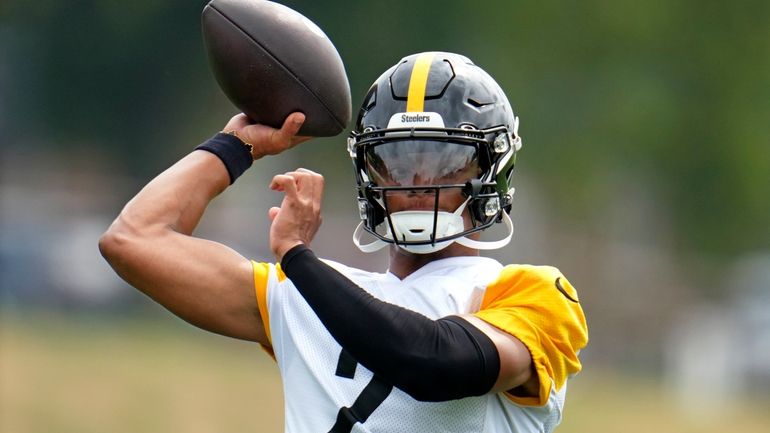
(421,156)
(421,162)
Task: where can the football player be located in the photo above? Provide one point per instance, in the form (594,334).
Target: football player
(444,340)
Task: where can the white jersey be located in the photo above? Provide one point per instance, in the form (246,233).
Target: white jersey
(317,392)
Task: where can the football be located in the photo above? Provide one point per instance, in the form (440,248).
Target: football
(271,60)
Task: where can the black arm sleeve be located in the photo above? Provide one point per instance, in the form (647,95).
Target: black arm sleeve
(431,360)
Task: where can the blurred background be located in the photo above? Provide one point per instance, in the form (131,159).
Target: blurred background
(644,177)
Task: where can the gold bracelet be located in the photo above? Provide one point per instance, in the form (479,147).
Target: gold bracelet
(235,134)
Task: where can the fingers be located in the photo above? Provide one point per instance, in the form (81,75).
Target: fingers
(302,175)
(265,139)
(302,187)
(299,216)
(313,185)
(284,138)
(273,212)
(291,125)
(309,184)
(237,122)
(301,184)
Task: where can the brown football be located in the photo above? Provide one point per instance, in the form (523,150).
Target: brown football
(271,60)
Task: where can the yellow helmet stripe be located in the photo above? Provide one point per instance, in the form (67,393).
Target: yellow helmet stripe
(415,100)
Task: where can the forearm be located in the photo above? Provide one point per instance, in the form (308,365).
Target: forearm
(149,244)
(177,198)
(432,360)
(203,282)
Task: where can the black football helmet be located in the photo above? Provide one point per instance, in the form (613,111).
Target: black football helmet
(433,122)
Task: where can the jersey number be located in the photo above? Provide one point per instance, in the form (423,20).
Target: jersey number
(375,392)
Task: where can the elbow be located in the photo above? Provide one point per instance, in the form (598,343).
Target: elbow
(428,394)
(109,244)
(437,382)
(442,389)
(115,243)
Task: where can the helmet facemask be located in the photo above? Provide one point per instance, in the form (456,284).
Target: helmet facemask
(415,184)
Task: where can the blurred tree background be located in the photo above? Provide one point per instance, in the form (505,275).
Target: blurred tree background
(644,174)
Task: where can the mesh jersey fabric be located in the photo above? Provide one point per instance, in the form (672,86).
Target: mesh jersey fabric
(308,356)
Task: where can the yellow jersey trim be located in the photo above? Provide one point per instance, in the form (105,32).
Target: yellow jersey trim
(279,273)
(261,278)
(418,82)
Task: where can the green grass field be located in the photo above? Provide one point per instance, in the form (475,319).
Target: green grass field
(60,375)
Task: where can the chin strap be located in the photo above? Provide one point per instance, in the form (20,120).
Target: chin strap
(371,247)
(490,245)
(378,244)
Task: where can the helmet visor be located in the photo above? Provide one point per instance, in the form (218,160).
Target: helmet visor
(421,162)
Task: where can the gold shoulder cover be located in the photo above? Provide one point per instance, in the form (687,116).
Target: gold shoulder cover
(537,305)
